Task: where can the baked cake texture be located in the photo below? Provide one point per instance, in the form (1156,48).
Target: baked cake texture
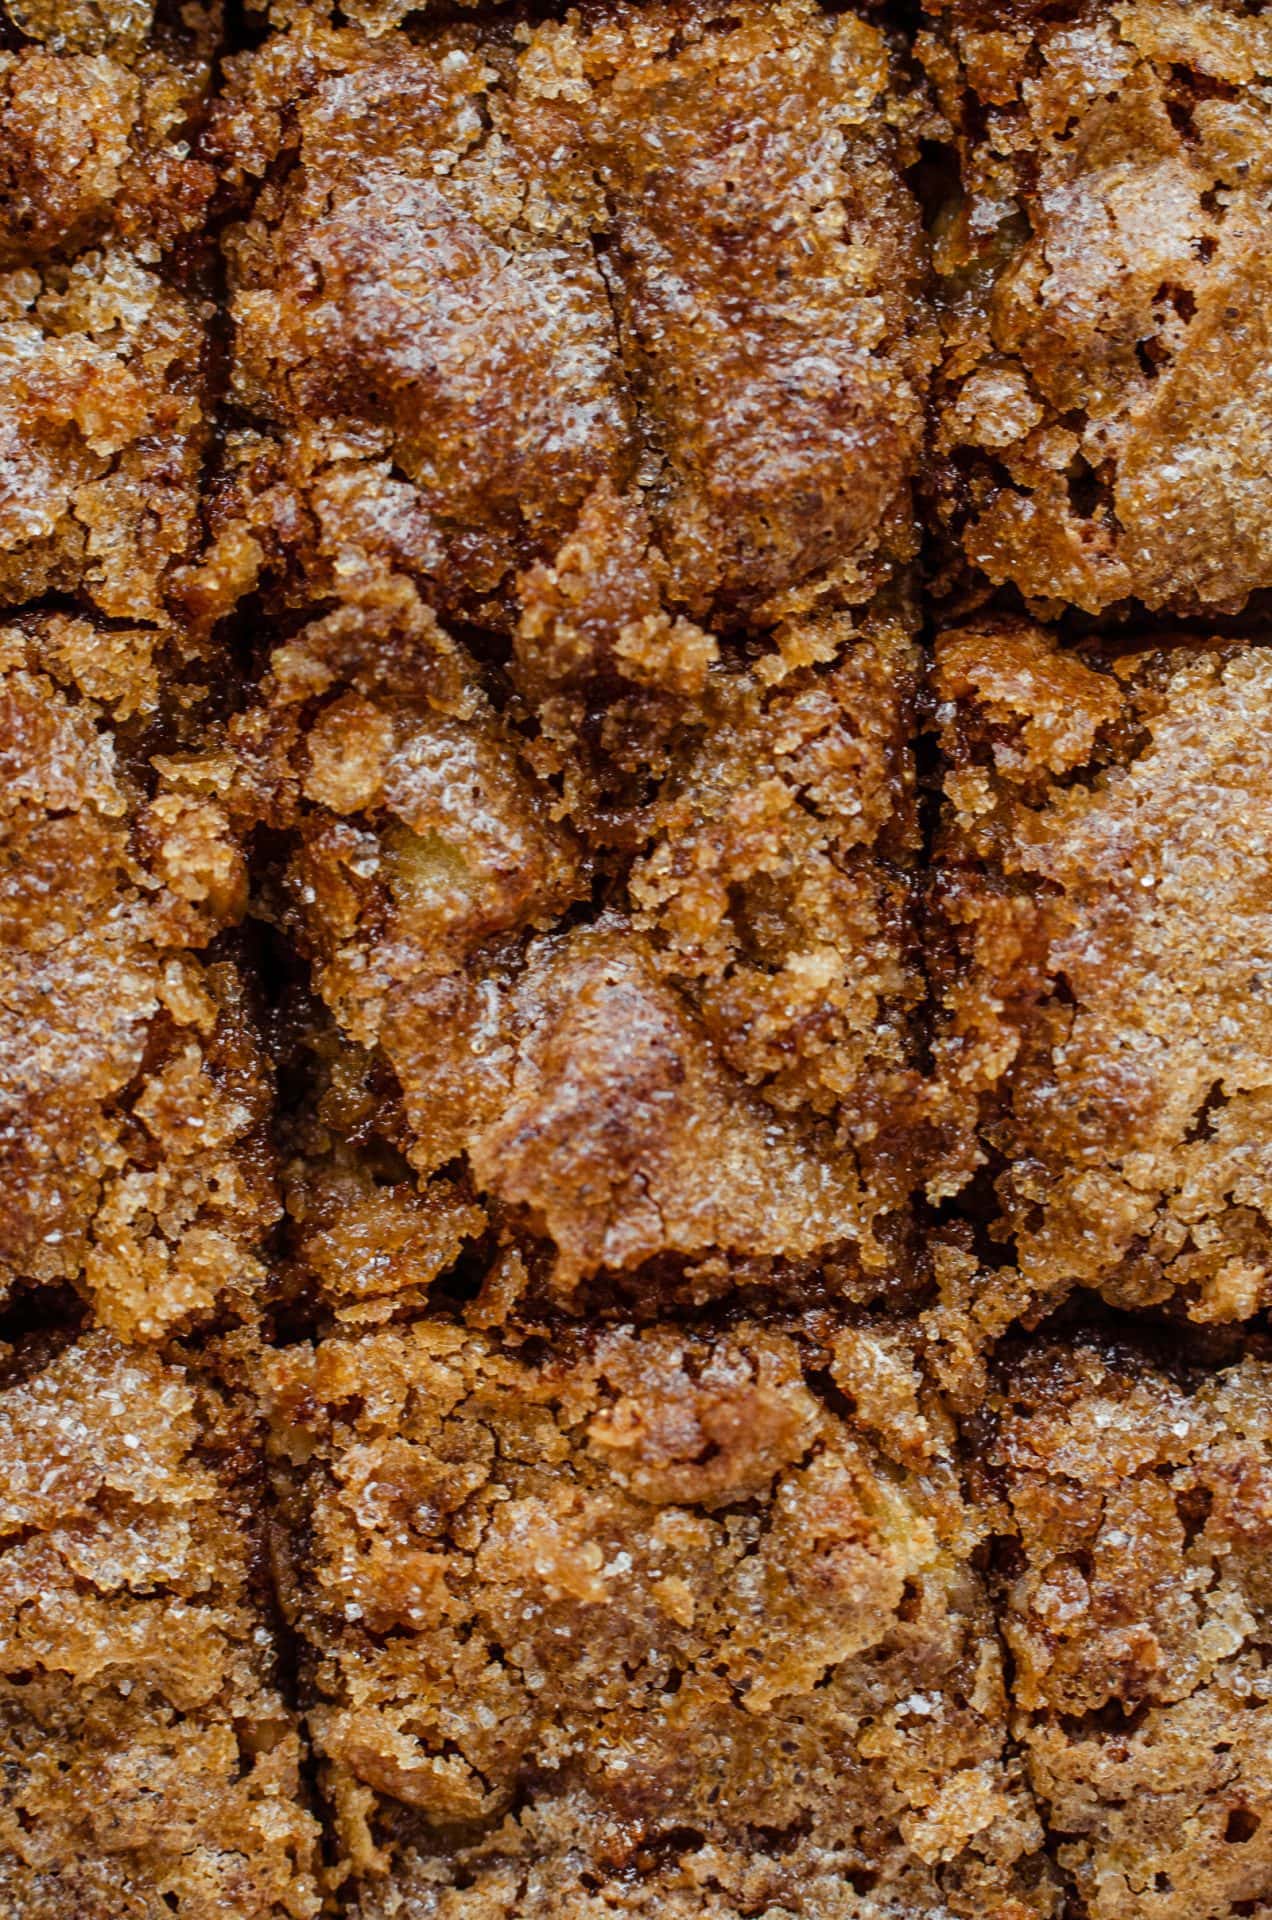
(1104,1027)
(1137,1614)
(640,1623)
(592,732)
(664,251)
(1103,431)
(673,1021)
(148,1763)
(134,1092)
(104,323)
(635,1190)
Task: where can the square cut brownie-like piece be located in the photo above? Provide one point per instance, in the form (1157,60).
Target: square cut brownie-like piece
(148,1763)
(134,1092)
(1105,1003)
(1138,1613)
(104,349)
(577,375)
(1103,423)
(662,250)
(657,1011)
(643,1623)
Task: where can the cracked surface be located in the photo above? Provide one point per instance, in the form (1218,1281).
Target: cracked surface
(543,331)
(1105,1026)
(660,250)
(103,332)
(645,1625)
(1137,1615)
(133,1089)
(149,1765)
(455,515)
(1103,427)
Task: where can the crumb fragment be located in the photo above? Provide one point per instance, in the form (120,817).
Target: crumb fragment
(642,1624)
(1137,1618)
(150,1766)
(1105,1030)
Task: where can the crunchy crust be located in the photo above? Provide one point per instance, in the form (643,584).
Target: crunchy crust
(553,1045)
(1103,433)
(150,1765)
(457,314)
(104,404)
(1136,1613)
(133,1089)
(719,1072)
(1105,1031)
(644,1625)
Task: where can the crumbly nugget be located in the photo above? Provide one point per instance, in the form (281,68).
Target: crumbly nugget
(374,17)
(96,127)
(659,1013)
(149,1764)
(1137,1612)
(1103,425)
(134,1093)
(1105,1013)
(642,1624)
(660,250)
(623,906)
(104,411)
(124,29)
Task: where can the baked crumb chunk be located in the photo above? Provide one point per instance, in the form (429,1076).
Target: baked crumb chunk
(641,1624)
(658,1012)
(663,251)
(102,425)
(1104,1021)
(134,1093)
(1137,1615)
(1104,432)
(148,1763)
(104,412)
(95,134)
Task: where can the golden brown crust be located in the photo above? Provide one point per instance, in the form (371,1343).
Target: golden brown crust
(491,278)
(644,1623)
(102,432)
(1103,433)
(103,341)
(133,1089)
(1137,1615)
(1105,1032)
(95,142)
(718,1070)
(455,507)
(149,1764)
(470,390)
